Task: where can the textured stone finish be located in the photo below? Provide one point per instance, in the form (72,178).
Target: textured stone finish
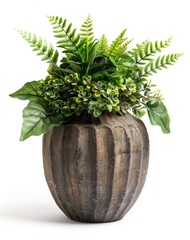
(96,169)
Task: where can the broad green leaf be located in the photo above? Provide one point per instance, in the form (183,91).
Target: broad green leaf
(92,52)
(28,91)
(159,116)
(153,103)
(36,121)
(126,63)
(76,68)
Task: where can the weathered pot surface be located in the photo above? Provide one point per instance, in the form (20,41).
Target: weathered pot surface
(96,169)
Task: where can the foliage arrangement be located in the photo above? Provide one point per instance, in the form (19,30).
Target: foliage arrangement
(92,76)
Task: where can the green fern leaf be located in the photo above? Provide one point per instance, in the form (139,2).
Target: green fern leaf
(124,46)
(158,64)
(40,46)
(147,49)
(86,30)
(140,51)
(69,40)
(115,50)
(103,44)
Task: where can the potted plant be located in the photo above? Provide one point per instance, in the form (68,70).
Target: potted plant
(88,108)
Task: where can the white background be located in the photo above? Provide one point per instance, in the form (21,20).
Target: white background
(27,210)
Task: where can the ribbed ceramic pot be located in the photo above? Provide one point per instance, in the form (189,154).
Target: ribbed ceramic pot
(96,169)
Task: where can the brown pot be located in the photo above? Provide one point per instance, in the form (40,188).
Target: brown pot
(96,170)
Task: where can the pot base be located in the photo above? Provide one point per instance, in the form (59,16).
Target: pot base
(94,222)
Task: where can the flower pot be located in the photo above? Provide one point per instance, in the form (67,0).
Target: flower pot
(96,169)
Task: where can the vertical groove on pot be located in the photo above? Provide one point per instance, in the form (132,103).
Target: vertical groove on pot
(55,148)
(144,145)
(48,168)
(72,172)
(121,166)
(69,153)
(135,168)
(87,173)
(58,168)
(105,173)
(123,152)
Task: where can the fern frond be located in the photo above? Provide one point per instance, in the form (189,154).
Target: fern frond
(122,49)
(114,50)
(147,49)
(86,30)
(40,46)
(69,40)
(103,44)
(158,64)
